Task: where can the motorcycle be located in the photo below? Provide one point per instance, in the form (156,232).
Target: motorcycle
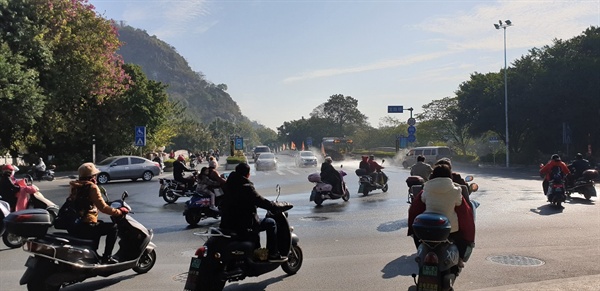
(59,259)
(366,183)
(556,192)
(48,174)
(170,190)
(584,185)
(36,201)
(198,207)
(415,185)
(228,257)
(437,256)
(322,191)
(4,211)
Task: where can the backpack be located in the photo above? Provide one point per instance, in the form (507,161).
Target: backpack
(69,212)
(556,174)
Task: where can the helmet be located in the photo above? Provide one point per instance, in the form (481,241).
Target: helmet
(8,168)
(328,159)
(180,158)
(87,170)
(372,157)
(579,156)
(555,157)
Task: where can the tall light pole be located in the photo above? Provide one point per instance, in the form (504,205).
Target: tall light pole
(504,25)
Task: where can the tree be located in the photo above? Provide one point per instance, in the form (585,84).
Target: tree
(343,113)
(440,118)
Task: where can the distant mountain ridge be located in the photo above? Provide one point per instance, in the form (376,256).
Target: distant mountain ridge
(204,101)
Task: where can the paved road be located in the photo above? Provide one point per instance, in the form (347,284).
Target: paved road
(362,244)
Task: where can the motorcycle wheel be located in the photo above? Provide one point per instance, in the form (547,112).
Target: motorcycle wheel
(385,188)
(365,190)
(169,197)
(50,178)
(146,262)
(346,195)
(12,240)
(294,261)
(192,218)
(44,269)
(318,199)
(589,191)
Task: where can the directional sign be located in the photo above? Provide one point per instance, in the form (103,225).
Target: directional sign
(411,138)
(395,108)
(239,143)
(140,136)
(411,130)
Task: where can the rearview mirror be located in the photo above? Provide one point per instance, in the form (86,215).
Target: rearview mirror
(469,178)
(474,187)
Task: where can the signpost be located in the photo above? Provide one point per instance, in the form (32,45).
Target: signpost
(239,143)
(140,136)
(411,125)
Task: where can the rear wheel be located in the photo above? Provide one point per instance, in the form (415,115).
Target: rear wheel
(294,261)
(405,165)
(169,196)
(589,191)
(318,199)
(146,262)
(192,218)
(147,176)
(12,240)
(208,279)
(365,190)
(41,272)
(103,178)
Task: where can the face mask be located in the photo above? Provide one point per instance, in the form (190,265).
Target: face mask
(93,180)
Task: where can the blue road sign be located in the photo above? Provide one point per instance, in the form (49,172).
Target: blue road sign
(309,141)
(239,143)
(395,108)
(411,138)
(403,142)
(411,130)
(140,136)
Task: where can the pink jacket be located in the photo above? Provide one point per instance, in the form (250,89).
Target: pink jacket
(23,195)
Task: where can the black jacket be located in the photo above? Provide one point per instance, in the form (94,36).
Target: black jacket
(8,190)
(331,176)
(580,166)
(178,169)
(239,205)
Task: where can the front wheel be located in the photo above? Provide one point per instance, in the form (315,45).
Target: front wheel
(12,240)
(318,199)
(346,195)
(146,262)
(365,190)
(169,196)
(589,191)
(147,176)
(385,188)
(294,261)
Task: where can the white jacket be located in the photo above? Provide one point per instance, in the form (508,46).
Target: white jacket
(441,195)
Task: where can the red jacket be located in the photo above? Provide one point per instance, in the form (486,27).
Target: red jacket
(546,169)
(466,224)
(375,167)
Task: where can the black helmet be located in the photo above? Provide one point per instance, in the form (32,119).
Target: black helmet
(579,156)
(372,157)
(555,157)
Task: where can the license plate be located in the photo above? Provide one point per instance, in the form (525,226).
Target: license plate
(190,283)
(429,271)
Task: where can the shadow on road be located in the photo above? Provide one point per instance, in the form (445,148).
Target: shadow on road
(254,286)
(393,225)
(547,209)
(98,284)
(402,266)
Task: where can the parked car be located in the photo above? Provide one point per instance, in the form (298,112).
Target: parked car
(306,158)
(259,150)
(126,167)
(431,154)
(266,161)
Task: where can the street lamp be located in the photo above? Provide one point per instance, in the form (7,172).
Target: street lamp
(504,25)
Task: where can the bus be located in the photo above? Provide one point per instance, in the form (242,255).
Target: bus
(336,147)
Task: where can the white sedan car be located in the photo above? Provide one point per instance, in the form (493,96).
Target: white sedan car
(266,161)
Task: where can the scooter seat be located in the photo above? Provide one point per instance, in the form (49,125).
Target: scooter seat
(64,237)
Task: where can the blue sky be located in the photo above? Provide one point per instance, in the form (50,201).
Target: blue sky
(281,59)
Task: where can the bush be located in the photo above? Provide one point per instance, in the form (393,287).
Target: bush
(236,159)
(169,163)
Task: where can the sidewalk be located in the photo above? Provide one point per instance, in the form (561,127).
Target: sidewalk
(584,283)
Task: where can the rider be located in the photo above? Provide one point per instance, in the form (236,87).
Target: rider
(580,165)
(8,186)
(548,169)
(40,169)
(364,164)
(87,198)
(331,176)
(206,185)
(421,168)
(376,173)
(239,210)
(441,195)
(178,168)
(456,178)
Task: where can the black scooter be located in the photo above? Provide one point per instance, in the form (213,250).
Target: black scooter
(60,259)
(584,185)
(228,257)
(366,183)
(170,190)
